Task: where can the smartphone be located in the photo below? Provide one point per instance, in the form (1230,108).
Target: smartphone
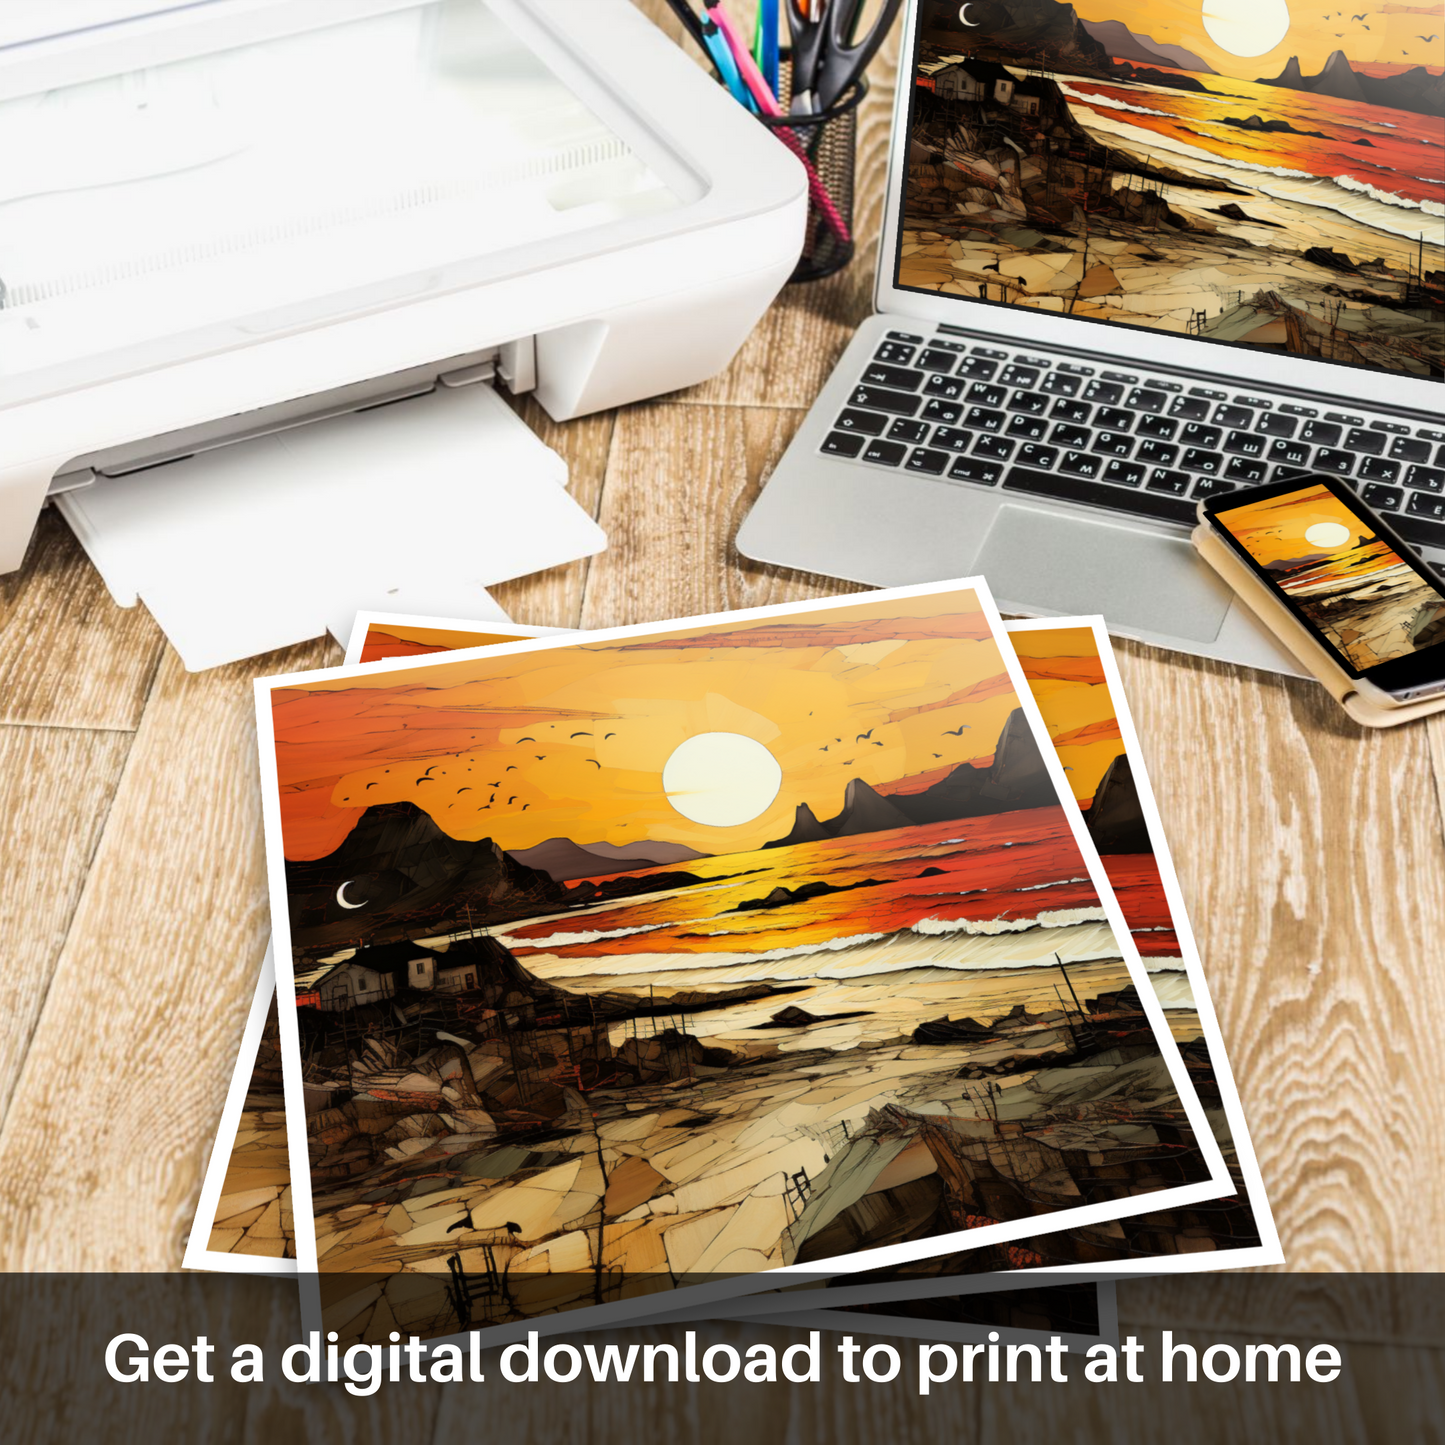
(1341,571)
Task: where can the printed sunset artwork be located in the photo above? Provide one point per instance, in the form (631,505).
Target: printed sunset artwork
(634,963)
(1352,585)
(1238,170)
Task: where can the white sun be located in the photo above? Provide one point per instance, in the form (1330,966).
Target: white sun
(1246,27)
(721,779)
(1327,535)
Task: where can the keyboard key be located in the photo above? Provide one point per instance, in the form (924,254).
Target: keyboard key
(1440,457)
(1196,459)
(1016,375)
(887,454)
(1066,410)
(944,411)
(1345,418)
(1195,435)
(877,374)
(1245,469)
(1189,408)
(1035,403)
(895,353)
(1430,434)
(1156,454)
(843,444)
(1408,449)
(1426,479)
(1419,531)
(978,350)
(1421,505)
(1124,474)
(996,449)
(971,469)
(982,394)
(1161,427)
(1395,428)
(1290,454)
(1377,469)
(1163,480)
(1273,424)
(1233,415)
(923,459)
(1332,459)
(955,439)
(977,368)
(1368,443)
(1244,444)
(1106,391)
(1321,433)
(1061,383)
(1143,399)
(877,398)
(867,422)
(1101,494)
(905,336)
(1077,370)
(1114,418)
(935,360)
(1382,499)
(1081,464)
(1293,410)
(1210,487)
(983,419)
(1071,436)
(906,430)
(948,387)
(1127,377)
(1032,428)
(1112,444)
(1042,457)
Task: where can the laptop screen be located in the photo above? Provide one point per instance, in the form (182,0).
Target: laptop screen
(1240,172)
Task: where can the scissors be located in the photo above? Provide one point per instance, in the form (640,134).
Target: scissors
(827,56)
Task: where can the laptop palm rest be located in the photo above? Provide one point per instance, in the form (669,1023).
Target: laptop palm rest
(1075,565)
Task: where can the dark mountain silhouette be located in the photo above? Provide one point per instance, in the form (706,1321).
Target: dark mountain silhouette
(1042,29)
(1017,778)
(562,859)
(1126,44)
(1115,818)
(1414,90)
(398,875)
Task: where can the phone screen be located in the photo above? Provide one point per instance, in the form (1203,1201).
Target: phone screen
(1325,557)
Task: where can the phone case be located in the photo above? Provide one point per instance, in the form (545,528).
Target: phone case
(1296,637)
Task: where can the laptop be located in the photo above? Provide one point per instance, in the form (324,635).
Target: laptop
(1127,265)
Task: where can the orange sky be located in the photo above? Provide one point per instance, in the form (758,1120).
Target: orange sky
(395,640)
(1274,530)
(1311,36)
(1066,678)
(574,736)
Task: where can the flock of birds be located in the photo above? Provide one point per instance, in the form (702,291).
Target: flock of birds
(1360,20)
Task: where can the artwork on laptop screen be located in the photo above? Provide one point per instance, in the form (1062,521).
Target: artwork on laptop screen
(656,958)
(1242,172)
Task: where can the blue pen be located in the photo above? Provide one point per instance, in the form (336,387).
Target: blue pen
(768,59)
(727,67)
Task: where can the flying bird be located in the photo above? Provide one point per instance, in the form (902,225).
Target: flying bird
(1428,39)
(862,737)
(464,790)
(877,745)
(371,785)
(956,732)
(510,768)
(524,807)
(595,763)
(526,740)
(938,755)
(513,798)
(605,736)
(430,770)
(1359,17)
(579,735)
(541,757)
(426,780)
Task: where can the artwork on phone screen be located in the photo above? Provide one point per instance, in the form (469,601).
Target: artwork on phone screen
(1241,171)
(1371,605)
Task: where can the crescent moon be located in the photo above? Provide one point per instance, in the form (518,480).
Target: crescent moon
(963,16)
(341,897)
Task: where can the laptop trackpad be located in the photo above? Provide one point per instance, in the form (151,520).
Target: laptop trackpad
(1041,559)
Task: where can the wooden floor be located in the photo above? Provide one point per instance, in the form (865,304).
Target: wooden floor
(134,915)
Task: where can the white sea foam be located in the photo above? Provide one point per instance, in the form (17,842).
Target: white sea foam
(1109,103)
(1350,183)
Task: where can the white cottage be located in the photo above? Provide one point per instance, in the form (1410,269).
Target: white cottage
(350,984)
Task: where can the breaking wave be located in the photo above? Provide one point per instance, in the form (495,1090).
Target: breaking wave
(1389,198)
(1109,103)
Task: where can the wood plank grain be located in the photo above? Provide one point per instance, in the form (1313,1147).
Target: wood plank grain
(69,657)
(554,598)
(56,786)
(679,481)
(102,1150)
(1310,854)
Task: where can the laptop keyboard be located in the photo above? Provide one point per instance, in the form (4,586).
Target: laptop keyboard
(1139,444)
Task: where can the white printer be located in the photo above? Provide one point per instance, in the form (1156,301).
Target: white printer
(225,220)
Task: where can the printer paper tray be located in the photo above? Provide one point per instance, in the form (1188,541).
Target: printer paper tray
(417,506)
